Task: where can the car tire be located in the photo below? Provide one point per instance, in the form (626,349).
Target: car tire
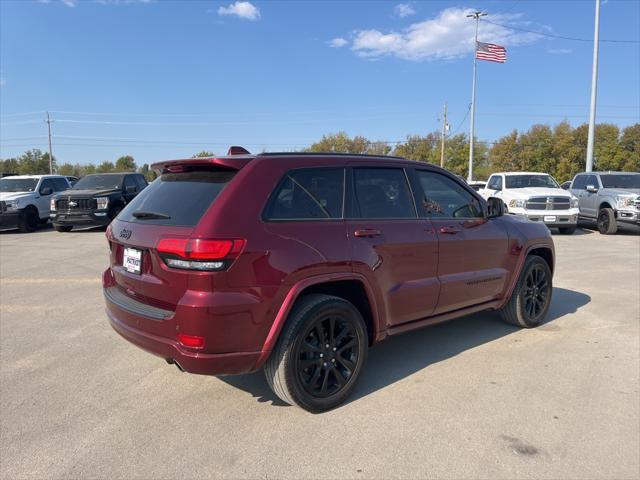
(29,220)
(531,297)
(567,230)
(607,224)
(319,354)
(62,228)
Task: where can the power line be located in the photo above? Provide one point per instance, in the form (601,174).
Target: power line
(551,35)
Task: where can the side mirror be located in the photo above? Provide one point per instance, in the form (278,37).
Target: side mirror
(592,189)
(130,189)
(566,185)
(495,207)
(46,191)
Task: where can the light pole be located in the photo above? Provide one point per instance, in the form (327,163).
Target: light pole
(476,15)
(594,91)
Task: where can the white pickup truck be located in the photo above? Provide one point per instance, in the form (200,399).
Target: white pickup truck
(536,197)
(25,200)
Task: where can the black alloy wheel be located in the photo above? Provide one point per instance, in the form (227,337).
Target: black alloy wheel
(327,356)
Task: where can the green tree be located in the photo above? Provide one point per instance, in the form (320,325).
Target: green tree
(420,149)
(126,164)
(148,173)
(204,154)
(105,167)
(628,154)
(341,143)
(9,165)
(33,162)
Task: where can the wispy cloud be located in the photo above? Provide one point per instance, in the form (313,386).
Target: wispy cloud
(123,2)
(449,35)
(70,3)
(560,51)
(403,10)
(244,10)
(337,42)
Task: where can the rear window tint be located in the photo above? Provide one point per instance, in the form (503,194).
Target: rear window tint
(184,197)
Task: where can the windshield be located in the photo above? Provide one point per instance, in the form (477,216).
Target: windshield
(18,184)
(526,181)
(620,181)
(99,182)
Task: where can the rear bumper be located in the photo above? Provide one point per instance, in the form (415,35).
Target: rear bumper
(81,219)
(192,362)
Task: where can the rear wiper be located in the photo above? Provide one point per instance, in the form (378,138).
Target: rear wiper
(151,215)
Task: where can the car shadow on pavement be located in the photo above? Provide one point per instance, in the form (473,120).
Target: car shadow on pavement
(399,357)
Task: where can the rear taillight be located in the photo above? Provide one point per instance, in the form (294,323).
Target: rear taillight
(191,341)
(199,254)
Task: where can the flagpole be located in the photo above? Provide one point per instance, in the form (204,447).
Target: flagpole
(477,16)
(594,90)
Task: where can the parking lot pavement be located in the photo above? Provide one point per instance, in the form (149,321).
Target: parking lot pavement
(472,398)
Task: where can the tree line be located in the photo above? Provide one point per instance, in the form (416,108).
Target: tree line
(559,150)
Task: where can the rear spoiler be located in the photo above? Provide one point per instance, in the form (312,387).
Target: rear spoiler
(236,158)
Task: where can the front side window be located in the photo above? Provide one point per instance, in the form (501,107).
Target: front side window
(444,198)
(60,184)
(531,181)
(593,181)
(308,194)
(46,183)
(495,183)
(382,193)
(129,182)
(579,183)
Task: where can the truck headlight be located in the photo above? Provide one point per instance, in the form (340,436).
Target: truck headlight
(52,205)
(102,202)
(574,202)
(626,202)
(12,205)
(517,203)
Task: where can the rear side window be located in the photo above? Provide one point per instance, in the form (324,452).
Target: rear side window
(444,198)
(182,197)
(308,194)
(382,193)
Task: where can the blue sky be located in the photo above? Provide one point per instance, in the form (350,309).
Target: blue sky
(165,79)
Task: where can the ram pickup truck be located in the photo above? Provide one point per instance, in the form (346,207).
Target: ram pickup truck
(536,197)
(25,200)
(95,200)
(611,199)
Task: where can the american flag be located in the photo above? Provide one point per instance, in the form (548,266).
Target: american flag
(491,52)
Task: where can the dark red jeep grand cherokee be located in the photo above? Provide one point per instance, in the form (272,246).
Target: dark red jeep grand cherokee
(298,263)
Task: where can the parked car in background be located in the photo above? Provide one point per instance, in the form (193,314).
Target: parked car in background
(611,199)
(297,263)
(477,185)
(536,197)
(72,180)
(95,200)
(25,200)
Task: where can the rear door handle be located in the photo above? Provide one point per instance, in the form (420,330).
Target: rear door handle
(367,232)
(449,230)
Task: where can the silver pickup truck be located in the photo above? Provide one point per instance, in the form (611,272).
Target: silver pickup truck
(611,199)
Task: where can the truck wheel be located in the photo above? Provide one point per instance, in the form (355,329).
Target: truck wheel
(567,230)
(607,224)
(319,355)
(28,220)
(62,228)
(531,296)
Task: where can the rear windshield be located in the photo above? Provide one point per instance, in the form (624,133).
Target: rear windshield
(99,182)
(182,197)
(18,184)
(620,181)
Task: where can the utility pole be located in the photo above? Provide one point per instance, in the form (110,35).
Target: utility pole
(476,15)
(48,122)
(594,90)
(445,129)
